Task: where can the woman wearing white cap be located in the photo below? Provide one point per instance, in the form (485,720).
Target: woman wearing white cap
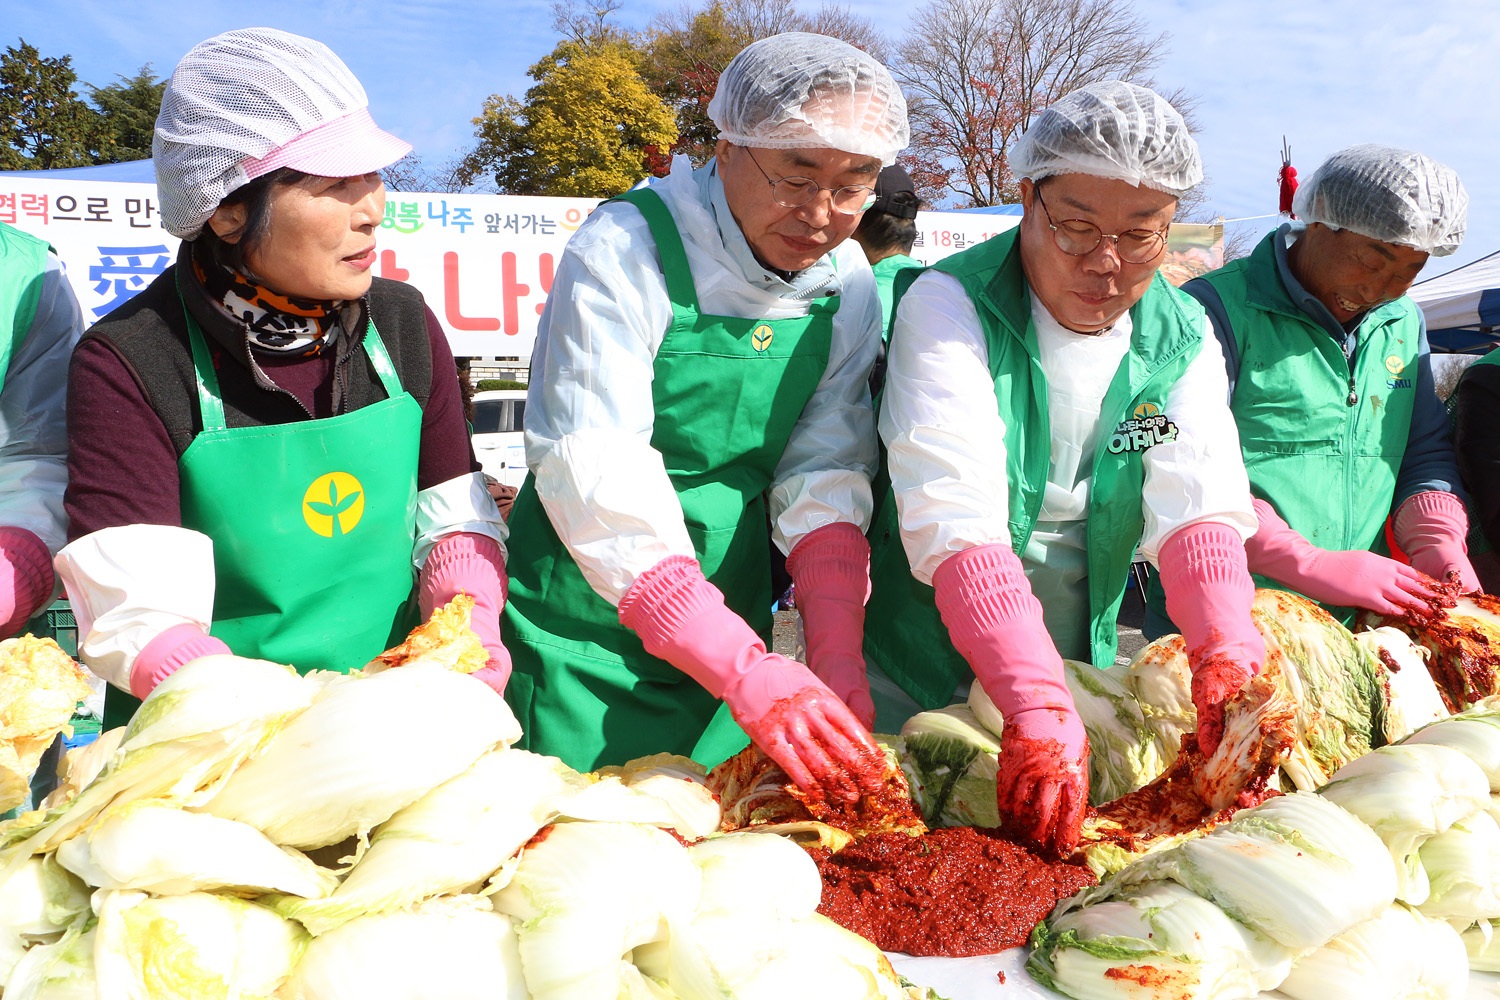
(266,446)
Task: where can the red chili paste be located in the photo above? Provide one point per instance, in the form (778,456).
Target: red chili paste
(954,892)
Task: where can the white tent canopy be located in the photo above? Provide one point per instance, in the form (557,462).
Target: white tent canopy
(1465,299)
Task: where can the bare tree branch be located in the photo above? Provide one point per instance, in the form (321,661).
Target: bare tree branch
(976,71)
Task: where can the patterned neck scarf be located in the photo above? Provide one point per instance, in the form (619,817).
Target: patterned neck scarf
(273,322)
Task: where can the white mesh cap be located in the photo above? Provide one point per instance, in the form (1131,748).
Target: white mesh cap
(1111,129)
(248,101)
(803,91)
(1389,194)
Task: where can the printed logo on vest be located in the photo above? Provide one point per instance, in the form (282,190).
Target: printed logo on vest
(761,338)
(1396,366)
(333,504)
(1146,427)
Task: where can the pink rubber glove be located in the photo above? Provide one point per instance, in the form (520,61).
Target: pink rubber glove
(1430,528)
(1350,579)
(474,565)
(168,651)
(996,624)
(25,578)
(831,568)
(785,709)
(1209,596)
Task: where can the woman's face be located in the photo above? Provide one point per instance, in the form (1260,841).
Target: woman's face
(320,241)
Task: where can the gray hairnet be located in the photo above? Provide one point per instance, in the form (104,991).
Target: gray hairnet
(1111,129)
(804,91)
(1389,194)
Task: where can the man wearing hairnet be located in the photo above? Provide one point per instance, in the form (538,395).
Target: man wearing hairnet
(1052,407)
(1332,389)
(706,342)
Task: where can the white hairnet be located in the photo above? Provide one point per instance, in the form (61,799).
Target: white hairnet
(804,91)
(1111,129)
(245,94)
(1389,194)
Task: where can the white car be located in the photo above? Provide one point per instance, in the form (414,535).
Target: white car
(498,444)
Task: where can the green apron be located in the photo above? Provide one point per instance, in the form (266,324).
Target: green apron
(904,634)
(312,524)
(1323,441)
(23,262)
(727,394)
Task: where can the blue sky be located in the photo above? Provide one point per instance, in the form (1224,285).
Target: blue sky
(1325,73)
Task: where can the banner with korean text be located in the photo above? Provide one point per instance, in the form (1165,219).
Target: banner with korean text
(483,262)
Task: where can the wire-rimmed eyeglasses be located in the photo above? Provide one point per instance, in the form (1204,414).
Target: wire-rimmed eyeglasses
(1079,237)
(794,192)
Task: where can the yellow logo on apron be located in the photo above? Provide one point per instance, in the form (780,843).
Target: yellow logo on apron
(1145,410)
(1395,365)
(761,339)
(333,504)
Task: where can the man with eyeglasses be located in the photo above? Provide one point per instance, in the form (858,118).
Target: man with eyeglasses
(1332,388)
(706,343)
(1053,406)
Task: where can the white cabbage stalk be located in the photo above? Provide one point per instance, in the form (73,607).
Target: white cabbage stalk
(1475,733)
(1154,939)
(1482,944)
(984,710)
(757,872)
(455,836)
(197,726)
(1124,751)
(588,893)
(950,762)
(1296,868)
(636,985)
(681,783)
(159,848)
(1407,794)
(36,904)
(755,885)
(447,948)
(1399,955)
(200,945)
(756,929)
(1159,677)
(826,961)
(1415,700)
(1463,865)
(366,748)
(60,971)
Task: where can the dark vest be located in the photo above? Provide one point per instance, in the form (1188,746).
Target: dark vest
(149,333)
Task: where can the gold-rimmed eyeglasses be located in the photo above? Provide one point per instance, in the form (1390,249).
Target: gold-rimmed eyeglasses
(794,192)
(1079,237)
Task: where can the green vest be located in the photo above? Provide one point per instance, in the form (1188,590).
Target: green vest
(904,634)
(23,261)
(727,394)
(1323,443)
(886,270)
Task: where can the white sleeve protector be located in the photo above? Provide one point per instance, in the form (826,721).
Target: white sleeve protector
(944,437)
(131,583)
(462,504)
